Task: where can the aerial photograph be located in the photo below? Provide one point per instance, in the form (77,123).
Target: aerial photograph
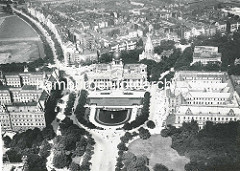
(110,85)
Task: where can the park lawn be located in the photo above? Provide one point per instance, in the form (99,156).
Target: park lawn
(158,150)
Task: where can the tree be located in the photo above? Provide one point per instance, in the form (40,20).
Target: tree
(48,132)
(139,43)
(60,160)
(133,163)
(151,124)
(36,162)
(74,167)
(45,149)
(144,133)
(122,146)
(13,155)
(70,104)
(7,141)
(160,167)
(183,41)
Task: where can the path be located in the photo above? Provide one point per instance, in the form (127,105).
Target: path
(158,110)
(105,150)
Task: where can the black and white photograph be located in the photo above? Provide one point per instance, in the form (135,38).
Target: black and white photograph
(120,85)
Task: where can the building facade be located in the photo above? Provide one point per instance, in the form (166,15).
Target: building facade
(22,116)
(5,97)
(116,75)
(206,54)
(22,100)
(203,96)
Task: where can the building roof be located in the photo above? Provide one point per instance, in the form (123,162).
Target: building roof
(206,52)
(43,96)
(29,87)
(22,104)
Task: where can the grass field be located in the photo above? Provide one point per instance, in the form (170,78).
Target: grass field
(14,27)
(20,41)
(158,150)
(21,51)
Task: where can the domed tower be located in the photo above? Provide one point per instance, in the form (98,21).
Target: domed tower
(116,58)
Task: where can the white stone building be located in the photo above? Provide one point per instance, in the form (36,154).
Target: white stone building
(115,74)
(22,116)
(203,96)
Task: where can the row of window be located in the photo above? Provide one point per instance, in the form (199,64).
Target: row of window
(205,98)
(206,103)
(4,94)
(13,79)
(30,116)
(202,78)
(26,124)
(207,81)
(30,120)
(4,98)
(17,95)
(4,120)
(208,118)
(5,124)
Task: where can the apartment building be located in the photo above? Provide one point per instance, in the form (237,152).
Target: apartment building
(22,116)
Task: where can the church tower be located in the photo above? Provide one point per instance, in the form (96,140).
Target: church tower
(25,69)
(149,49)
(148,52)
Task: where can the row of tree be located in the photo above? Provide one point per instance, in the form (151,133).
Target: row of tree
(70,104)
(47,49)
(143,117)
(80,111)
(127,160)
(33,144)
(74,142)
(50,105)
(57,45)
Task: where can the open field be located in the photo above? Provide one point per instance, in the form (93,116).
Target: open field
(14,27)
(158,150)
(19,42)
(20,51)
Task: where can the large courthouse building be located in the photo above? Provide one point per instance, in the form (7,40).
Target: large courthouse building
(203,96)
(115,74)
